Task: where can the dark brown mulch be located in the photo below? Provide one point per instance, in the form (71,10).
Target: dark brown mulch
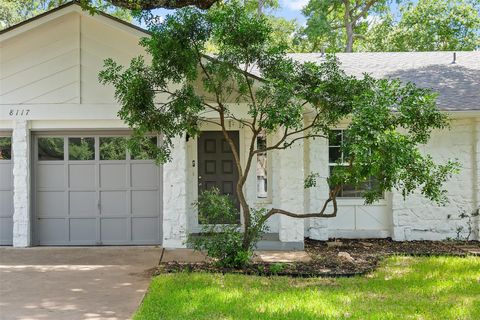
(365,256)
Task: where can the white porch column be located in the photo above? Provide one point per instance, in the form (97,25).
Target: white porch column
(317,157)
(476,181)
(290,194)
(175,196)
(21,184)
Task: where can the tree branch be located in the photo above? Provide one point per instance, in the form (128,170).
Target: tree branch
(321,214)
(364,11)
(166,4)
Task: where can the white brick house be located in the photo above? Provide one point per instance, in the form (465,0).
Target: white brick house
(51,103)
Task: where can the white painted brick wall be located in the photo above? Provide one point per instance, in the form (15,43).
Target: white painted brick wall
(21,183)
(317,228)
(417,218)
(288,191)
(477,177)
(175,197)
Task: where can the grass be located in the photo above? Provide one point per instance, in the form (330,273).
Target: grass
(402,288)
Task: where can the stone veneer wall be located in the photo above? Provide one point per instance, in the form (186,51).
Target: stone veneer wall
(417,218)
(175,196)
(21,184)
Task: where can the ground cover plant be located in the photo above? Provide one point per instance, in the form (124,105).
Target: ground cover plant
(340,258)
(402,288)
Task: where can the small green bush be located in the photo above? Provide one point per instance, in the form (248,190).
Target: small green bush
(276,268)
(221,236)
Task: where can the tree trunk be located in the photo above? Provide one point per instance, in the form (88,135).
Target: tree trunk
(347,21)
(349,32)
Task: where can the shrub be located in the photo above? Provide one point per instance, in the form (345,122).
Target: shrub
(221,235)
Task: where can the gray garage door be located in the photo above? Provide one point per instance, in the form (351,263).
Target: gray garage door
(6,190)
(91,191)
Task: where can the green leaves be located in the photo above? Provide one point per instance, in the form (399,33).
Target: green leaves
(388,120)
(428,25)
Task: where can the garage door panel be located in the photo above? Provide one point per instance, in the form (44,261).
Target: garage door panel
(83,231)
(144,203)
(6,181)
(144,175)
(113,175)
(51,203)
(113,203)
(52,231)
(82,176)
(91,198)
(83,203)
(113,230)
(145,230)
(6,230)
(6,203)
(51,176)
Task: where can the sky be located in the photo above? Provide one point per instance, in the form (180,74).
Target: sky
(289,9)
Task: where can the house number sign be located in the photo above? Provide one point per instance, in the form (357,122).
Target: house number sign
(18,112)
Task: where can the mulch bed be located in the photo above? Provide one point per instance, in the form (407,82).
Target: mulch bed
(342,258)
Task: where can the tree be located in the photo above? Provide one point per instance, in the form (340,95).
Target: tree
(155,4)
(429,25)
(338,23)
(293,101)
(15,11)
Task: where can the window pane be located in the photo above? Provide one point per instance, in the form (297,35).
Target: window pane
(50,148)
(5,148)
(335,138)
(113,148)
(262,181)
(81,148)
(334,154)
(146,151)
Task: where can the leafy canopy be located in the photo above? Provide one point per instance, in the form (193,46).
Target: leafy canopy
(172,94)
(428,25)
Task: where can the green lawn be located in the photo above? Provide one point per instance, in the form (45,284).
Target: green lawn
(403,288)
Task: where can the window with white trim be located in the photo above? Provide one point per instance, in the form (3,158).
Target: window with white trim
(262,166)
(337,157)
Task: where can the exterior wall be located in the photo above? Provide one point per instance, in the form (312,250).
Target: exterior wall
(49,81)
(175,196)
(41,65)
(477,176)
(417,218)
(250,185)
(98,42)
(21,184)
(288,193)
(354,219)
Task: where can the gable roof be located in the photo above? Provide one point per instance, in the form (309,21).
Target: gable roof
(458,84)
(71,4)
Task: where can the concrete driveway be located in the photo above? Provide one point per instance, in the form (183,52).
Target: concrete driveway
(74,283)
